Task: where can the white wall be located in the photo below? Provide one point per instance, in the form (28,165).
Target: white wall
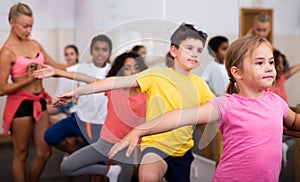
(152,22)
(130,22)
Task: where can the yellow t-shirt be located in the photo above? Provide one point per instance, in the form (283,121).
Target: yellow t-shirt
(166,90)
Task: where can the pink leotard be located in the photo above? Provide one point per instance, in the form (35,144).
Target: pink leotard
(20,66)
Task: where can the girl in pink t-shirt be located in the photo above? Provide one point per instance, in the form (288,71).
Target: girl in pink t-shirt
(284,72)
(250,118)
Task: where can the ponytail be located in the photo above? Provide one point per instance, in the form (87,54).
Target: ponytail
(232,87)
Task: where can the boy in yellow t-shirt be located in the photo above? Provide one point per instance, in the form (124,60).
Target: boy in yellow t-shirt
(167,154)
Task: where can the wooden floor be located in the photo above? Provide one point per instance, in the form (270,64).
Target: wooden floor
(52,170)
(50,174)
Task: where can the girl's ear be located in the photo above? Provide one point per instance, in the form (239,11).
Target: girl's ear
(236,72)
(173,51)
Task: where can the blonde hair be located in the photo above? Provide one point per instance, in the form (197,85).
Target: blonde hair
(262,17)
(236,54)
(19,9)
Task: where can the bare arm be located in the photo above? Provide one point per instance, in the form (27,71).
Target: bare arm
(48,71)
(173,119)
(106,84)
(293,70)
(49,60)
(292,121)
(6,58)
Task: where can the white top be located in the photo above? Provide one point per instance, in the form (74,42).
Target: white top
(216,77)
(91,108)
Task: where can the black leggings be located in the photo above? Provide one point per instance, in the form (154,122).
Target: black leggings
(26,108)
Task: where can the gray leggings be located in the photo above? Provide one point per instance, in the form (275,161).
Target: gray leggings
(87,161)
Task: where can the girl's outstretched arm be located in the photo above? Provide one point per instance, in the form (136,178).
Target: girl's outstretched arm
(293,70)
(173,119)
(106,84)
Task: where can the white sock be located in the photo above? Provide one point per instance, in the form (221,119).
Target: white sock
(113,173)
(285,148)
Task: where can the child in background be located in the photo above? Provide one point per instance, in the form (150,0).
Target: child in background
(250,118)
(167,154)
(71,56)
(126,109)
(90,110)
(140,50)
(215,73)
(284,72)
(261,26)
(83,126)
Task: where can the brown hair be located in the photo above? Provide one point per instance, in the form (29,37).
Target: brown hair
(236,54)
(17,10)
(185,31)
(71,46)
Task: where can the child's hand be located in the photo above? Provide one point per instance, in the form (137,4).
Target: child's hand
(44,71)
(64,99)
(130,140)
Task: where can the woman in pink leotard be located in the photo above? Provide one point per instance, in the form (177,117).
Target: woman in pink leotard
(25,113)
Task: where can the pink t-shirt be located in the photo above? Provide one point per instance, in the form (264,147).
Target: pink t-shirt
(280,88)
(252,133)
(124,113)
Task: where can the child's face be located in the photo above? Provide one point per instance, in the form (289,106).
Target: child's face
(131,67)
(262,29)
(188,54)
(100,52)
(71,56)
(220,55)
(259,71)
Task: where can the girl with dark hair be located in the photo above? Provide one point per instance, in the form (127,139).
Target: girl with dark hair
(140,50)
(71,54)
(126,109)
(284,72)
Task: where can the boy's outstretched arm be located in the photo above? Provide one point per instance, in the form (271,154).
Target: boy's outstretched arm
(106,84)
(48,71)
(166,122)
